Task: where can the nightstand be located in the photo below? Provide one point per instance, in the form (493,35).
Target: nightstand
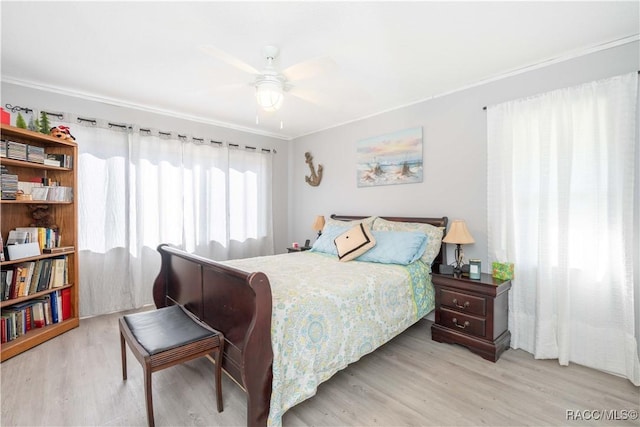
(472,313)
(300,249)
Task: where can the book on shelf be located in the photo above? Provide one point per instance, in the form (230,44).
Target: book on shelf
(3,329)
(66,303)
(6,284)
(13,286)
(38,315)
(45,275)
(57,249)
(4,288)
(47,310)
(24,278)
(35,278)
(53,302)
(61,160)
(58,272)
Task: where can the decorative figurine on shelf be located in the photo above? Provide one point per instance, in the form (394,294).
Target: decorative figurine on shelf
(315,178)
(62,132)
(41,217)
(34,124)
(20,123)
(43,124)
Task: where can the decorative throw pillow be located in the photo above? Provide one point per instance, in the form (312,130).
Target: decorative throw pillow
(354,242)
(434,234)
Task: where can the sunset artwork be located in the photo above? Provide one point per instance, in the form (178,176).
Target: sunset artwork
(390,159)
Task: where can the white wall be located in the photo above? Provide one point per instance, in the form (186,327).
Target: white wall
(43,100)
(454,136)
(454,141)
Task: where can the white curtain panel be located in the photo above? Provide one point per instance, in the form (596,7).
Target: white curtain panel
(138,190)
(561,194)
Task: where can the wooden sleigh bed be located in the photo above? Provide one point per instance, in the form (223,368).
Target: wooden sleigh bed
(239,304)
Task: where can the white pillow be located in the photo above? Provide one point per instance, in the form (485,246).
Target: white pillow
(336,222)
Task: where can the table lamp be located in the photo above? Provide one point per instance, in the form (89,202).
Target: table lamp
(459,235)
(318,224)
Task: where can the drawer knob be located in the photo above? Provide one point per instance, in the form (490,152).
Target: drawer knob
(455,322)
(465,305)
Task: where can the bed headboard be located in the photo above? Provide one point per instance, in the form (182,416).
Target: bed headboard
(440,259)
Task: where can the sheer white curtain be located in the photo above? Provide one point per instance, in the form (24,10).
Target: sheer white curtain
(138,190)
(102,221)
(561,196)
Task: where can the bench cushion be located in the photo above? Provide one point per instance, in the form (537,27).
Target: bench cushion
(166,328)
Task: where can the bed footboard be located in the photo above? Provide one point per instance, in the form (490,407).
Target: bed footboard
(234,302)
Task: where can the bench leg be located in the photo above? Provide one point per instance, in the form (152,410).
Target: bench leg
(123,351)
(148,395)
(218,373)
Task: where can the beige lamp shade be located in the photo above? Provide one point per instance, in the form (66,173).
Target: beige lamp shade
(458,233)
(318,224)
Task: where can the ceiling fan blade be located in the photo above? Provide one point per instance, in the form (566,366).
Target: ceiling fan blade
(308,95)
(234,86)
(229,59)
(309,68)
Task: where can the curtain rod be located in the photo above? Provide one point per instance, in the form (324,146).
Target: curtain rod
(125,126)
(485,107)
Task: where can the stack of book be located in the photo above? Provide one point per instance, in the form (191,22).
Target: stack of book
(8,184)
(35,154)
(16,150)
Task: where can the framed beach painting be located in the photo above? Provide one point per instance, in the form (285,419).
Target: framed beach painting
(395,158)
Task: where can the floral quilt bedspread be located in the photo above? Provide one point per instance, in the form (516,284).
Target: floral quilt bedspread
(328,314)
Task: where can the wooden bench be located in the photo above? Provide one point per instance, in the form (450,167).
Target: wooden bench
(166,337)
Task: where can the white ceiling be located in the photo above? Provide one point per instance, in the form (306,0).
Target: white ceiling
(385,55)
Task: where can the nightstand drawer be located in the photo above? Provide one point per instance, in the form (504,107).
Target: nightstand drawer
(463,302)
(467,324)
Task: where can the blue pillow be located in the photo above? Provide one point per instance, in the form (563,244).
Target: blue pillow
(396,247)
(325,241)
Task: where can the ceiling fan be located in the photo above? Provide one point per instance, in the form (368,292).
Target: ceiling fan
(270,83)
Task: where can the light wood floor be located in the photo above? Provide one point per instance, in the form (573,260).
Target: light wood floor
(75,380)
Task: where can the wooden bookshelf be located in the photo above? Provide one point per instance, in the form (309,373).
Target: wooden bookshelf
(16,213)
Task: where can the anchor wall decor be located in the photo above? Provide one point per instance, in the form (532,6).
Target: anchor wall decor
(315,178)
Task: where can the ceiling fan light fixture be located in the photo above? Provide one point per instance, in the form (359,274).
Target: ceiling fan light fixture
(269,94)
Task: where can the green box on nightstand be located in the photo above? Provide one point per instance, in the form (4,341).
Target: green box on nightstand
(502,270)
